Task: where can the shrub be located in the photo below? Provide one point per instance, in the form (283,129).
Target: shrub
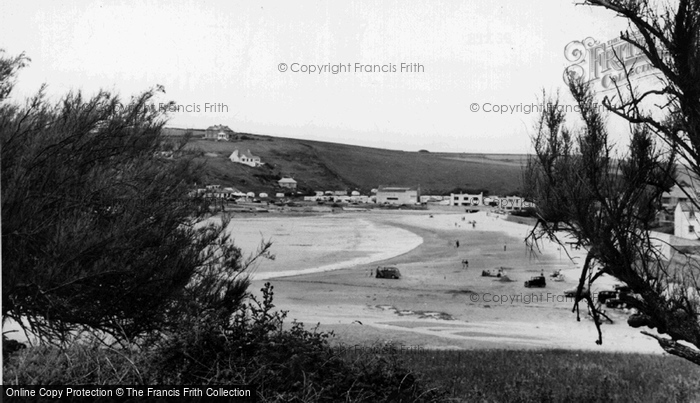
(293,364)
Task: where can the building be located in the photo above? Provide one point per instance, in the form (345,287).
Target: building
(215,133)
(287,183)
(685,221)
(510,203)
(245,159)
(462,199)
(676,195)
(398,195)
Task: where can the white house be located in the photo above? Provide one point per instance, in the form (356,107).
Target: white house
(398,195)
(287,183)
(246,159)
(685,221)
(466,199)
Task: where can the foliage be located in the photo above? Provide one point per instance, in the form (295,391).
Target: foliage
(251,346)
(608,203)
(97,229)
(292,364)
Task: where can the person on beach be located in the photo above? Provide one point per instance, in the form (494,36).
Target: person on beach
(457,244)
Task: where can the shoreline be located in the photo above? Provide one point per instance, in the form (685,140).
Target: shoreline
(431,305)
(328,243)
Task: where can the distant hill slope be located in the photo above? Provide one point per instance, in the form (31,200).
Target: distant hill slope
(324,166)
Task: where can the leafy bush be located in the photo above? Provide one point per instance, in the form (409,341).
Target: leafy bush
(293,364)
(251,346)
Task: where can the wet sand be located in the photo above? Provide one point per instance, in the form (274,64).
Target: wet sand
(304,245)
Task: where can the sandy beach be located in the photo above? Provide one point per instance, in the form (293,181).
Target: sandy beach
(323,275)
(315,244)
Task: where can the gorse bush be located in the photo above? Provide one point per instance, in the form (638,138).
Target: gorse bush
(253,347)
(102,236)
(98,231)
(293,364)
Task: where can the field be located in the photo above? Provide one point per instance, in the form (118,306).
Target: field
(330,166)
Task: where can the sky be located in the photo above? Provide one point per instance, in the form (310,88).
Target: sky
(247,64)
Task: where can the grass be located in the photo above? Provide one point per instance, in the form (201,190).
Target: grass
(476,375)
(330,166)
(556,376)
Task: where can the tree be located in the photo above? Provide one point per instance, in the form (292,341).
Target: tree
(607,202)
(98,232)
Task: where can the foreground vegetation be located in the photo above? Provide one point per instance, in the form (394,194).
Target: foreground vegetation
(286,363)
(558,376)
(319,372)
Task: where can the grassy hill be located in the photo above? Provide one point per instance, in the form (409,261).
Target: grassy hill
(330,166)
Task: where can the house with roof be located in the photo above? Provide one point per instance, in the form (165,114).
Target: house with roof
(246,159)
(676,195)
(287,183)
(685,221)
(219,133)
(398,195)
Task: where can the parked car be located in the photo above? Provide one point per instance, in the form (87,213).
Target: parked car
(388,272)
(615,299)
(537,281)
(493,273)
(604,296)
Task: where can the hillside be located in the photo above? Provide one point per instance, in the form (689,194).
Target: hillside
(330,166)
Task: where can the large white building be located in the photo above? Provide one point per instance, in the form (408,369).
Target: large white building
(246,159)
(398,195)
(463,199)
